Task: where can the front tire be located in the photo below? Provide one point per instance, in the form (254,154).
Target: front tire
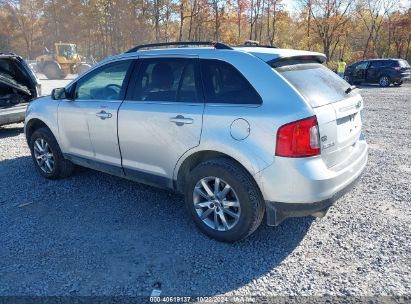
(224,200)
(384,81)
(47,156)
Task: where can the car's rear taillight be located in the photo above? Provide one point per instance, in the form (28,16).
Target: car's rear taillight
(397,68)
(300,138)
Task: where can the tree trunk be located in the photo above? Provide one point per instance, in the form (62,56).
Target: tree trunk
(180,34)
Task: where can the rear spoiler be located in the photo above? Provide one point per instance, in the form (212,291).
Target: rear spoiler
(282,61)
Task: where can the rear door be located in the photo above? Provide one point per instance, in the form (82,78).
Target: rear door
(335,104)
(161,118)
(374,70)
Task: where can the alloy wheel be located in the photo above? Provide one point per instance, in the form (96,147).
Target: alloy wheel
(384,81)
(216,203)
(43,155)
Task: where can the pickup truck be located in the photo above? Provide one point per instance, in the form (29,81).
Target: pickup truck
(18,86)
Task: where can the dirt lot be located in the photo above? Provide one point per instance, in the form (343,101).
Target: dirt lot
(95,234)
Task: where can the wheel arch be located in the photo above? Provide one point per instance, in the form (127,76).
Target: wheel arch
(34,124)
(385,75)
(194,159)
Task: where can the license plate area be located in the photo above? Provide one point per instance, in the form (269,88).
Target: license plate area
(348,127)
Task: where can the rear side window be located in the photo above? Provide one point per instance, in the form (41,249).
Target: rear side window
(318,84)
(361,66)
(376,64)
(167,79)
(225,84)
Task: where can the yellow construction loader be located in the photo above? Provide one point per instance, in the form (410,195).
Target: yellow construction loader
(63,61)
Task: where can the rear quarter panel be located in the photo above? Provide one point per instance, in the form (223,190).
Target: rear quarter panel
(281,104)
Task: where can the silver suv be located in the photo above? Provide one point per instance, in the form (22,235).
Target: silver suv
(240,131)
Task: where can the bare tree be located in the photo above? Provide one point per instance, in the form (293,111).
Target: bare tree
(27,16)
(330,17)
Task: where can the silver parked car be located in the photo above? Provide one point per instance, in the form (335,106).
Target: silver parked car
(240,131)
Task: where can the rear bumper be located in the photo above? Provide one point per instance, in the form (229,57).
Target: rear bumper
(402,77)
(303,186)
(278,212)
(13,114)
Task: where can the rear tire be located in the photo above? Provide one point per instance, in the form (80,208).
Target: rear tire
(52,71)
(230,215)
(47,156)
(397,84)
(384,81)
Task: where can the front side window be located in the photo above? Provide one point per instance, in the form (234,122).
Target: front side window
(167,79)
(105,83)
(225,84)
(361,66)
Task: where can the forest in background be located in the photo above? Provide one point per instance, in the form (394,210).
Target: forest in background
(353,29)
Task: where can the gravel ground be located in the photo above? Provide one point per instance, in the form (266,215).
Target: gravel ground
(95,234)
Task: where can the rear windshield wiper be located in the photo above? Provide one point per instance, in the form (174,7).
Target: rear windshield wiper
(351,88)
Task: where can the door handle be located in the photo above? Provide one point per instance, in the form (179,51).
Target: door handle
(103,114)
(180,120)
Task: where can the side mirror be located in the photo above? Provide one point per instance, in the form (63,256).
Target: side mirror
(58,93)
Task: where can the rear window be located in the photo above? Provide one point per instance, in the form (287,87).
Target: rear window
(318,84)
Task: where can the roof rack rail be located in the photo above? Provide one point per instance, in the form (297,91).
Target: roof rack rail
(217,45)
(254,43)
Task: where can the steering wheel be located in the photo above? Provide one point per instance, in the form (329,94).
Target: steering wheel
(113,90)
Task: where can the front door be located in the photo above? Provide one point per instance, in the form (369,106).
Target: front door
(161,118)
(88,123)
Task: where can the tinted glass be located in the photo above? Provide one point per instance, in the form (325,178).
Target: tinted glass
(104,83)
(362,65)
(376,64)
(225,84)
(318,84)
(167,79)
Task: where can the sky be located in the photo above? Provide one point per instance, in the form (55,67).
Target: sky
(291,4)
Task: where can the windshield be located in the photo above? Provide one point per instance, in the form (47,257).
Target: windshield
(318,84)
(67,50)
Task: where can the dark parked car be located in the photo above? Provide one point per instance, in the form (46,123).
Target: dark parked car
(381,71)
(18,86)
